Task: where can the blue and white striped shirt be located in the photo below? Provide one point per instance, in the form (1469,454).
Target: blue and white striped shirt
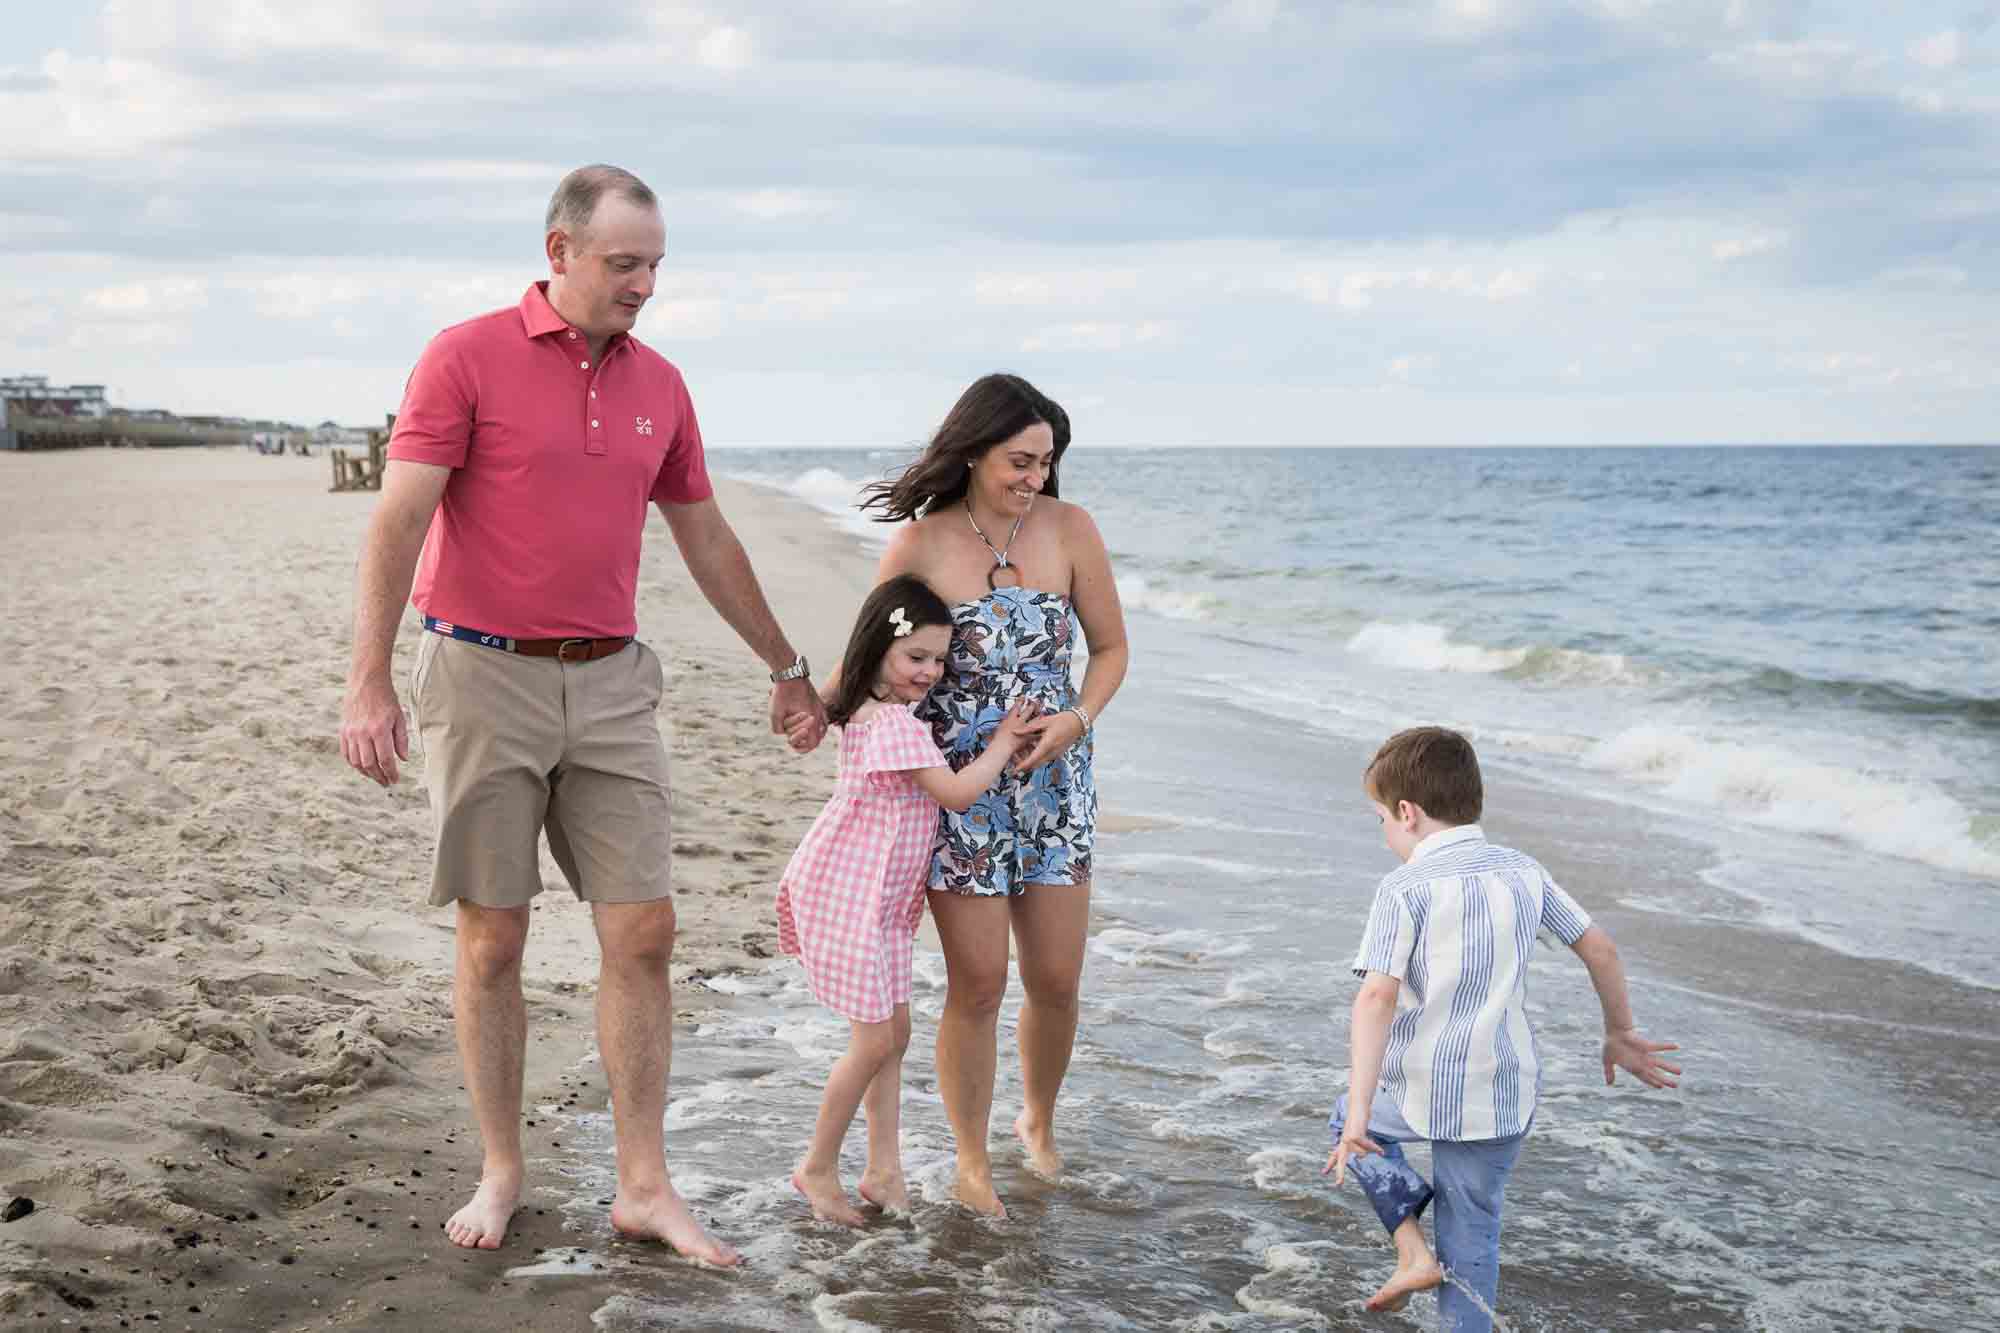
(1456,926)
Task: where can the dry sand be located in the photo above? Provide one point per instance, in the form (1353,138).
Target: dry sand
(227,1075)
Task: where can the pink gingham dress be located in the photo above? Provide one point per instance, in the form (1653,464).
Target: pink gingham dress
(852,897)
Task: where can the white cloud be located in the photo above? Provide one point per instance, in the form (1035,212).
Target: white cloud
(160,296)
(302,295)
(1937,276)
(1069,287)
(1356,289)
(772,204)
(1246,16)
(726,48)
(1097,336)
(1817,62)
(1734,248)
(1940,50)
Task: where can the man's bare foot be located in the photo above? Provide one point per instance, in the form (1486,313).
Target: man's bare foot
(482,1223)
(886,1190)
(1043,1159)
(663,1215)
(1403,1284)
(975,1191)
(829,1201)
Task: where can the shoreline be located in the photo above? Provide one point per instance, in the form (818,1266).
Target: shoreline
(225,1033)
(229,1076)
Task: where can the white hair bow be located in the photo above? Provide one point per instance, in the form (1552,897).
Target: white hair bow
(901,622)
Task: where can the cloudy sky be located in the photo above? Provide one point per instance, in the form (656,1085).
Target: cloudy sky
(1242,222)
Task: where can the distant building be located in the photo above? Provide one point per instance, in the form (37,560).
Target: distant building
(35,396)
(331,434)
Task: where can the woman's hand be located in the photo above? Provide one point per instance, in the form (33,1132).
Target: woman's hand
(1048,735)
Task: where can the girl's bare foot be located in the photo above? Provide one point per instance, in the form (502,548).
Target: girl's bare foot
(663,1215)
(1405,1283)
(975,1191)
(1040,1143)
(482,1223)
(829,1202)
(886,1190)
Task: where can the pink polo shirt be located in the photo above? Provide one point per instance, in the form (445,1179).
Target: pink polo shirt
(554,461)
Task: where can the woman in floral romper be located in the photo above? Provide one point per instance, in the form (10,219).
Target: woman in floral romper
(1023,571)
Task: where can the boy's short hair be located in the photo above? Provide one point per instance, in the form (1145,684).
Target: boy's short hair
(1430,767)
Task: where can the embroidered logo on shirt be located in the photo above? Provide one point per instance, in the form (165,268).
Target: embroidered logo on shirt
(644,424)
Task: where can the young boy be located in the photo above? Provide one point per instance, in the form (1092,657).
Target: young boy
(1440,1044)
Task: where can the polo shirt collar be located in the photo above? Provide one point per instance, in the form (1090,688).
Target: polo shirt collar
(1447,837)
(538,317)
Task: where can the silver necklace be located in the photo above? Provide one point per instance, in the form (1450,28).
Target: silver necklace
(999,553)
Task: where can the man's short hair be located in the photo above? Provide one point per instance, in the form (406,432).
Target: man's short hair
(577,195)
(1432,768)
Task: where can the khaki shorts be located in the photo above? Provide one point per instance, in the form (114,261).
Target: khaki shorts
(513,745)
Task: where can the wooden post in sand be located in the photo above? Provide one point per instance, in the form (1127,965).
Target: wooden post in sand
(354,474)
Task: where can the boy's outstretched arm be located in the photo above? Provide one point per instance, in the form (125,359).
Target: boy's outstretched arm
(1367,1043)
(1624,1047)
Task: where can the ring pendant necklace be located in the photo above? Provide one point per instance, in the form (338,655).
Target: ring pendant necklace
(1000,561)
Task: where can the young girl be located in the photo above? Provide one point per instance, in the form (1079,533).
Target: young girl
(853,895)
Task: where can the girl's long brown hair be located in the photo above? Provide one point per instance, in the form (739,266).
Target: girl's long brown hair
(995,408)
(873,633)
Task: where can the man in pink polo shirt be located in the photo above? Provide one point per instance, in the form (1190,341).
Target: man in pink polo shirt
(529,444)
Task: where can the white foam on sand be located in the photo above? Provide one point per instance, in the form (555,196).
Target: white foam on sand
(563,1263)
(1174,948)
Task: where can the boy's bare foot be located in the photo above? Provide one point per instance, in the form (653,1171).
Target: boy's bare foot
(829,1201)
(1405,1283)
(1043,1158)
(975,1190)
(663,1215)
(887,1190)
(482,1223)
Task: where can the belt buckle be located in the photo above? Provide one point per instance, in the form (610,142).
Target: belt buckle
(582,645)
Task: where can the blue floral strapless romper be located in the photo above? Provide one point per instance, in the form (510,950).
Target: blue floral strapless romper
(1033,828)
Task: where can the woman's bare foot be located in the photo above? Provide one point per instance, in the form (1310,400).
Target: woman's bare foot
(829,1201)
(1040,1143)
(663,1215)
(1405,1283)
(482,1223)
(887,1190)
(975,1190)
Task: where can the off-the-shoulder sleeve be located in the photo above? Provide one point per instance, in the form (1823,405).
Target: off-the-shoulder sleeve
(898,742)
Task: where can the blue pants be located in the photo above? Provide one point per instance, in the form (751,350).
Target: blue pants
(1471,1186)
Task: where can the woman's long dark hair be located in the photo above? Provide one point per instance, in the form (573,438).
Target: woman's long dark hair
(996,408)
(874,632)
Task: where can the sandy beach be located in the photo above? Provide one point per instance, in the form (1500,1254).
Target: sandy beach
(227,1076)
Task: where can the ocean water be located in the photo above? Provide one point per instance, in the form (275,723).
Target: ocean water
(1745,704)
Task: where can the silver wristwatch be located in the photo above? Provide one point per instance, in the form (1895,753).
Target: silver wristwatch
(795,671)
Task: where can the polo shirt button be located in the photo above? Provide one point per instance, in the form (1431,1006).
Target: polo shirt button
(593,393)
(572,335)
(593,423)
(584,364)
